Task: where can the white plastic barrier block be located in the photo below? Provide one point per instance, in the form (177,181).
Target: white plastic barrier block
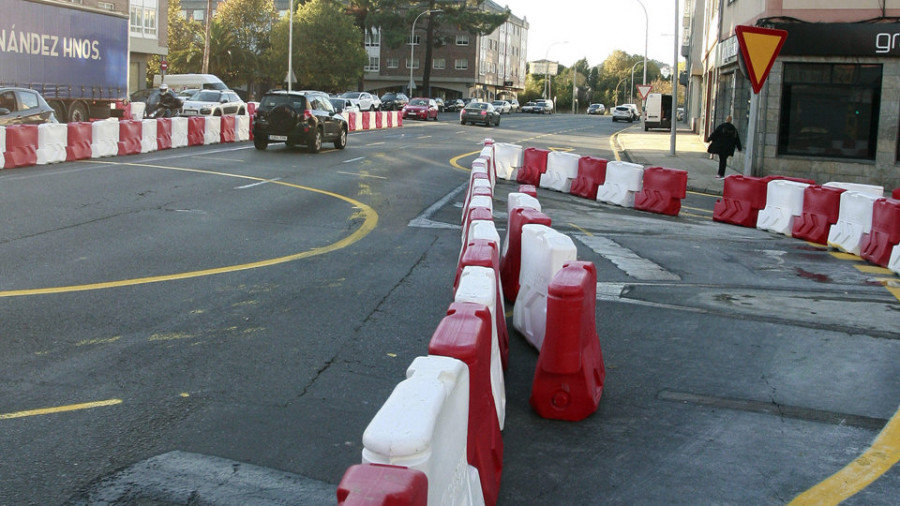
(544,251)
(52,141)
(105,138)
(870,189)
(484,164)
(138,109)
(623,181)
(477,201)
(854,220)
(212,133)
(508,159)
(894,262)
(423,425)
(479,285)
(515,200)
(242,128)
(487,152)
(479,229)
(477,188)
(562,169)
(179,132)
(784,201)
(149,140)
(2,146)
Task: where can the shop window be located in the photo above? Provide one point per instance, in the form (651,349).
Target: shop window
(830,110)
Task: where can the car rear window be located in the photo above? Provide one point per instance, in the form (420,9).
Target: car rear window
(418,102)
(271,101)
(477,105)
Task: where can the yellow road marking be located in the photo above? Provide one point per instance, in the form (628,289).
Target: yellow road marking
(857,475)
(612,145)
(844,256)
(699,210)
(455,160)
(873,269)
(583,231)
(60,409)
(362,211)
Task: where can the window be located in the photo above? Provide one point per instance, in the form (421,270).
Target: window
(830,110)
(199,15)
(374,64)
(393,62)
(137,19)
(462,39)
(106,6)
(439,63)
(414,41)
(373,37)
(461,64)
(149,21)
(415,63)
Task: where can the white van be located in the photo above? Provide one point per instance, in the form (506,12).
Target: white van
(659,111)
(179,82)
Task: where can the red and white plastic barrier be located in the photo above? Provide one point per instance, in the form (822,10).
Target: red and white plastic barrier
(21,146)
(854,220)
(877,244)
(423,426)
(2,146)
(511,255)
(149,135)
(465,334)
(379,484)
(164,133)
(479,285)
(508,159)
(623,181)
(52,140)
(212,130)
(821,205)
(228,129)
(568,380)
(78,141)
(662,191)
(129,137)
(869,189)
(591,174)
(104,138)
(784,201)
(196,130)
(534,163)
(562,169)
(486,253)
(242,128)
(180,128)
(544,252)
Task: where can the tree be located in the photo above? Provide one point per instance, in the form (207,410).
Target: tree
(328,49)
(250,22)
(226,57)
(182,34)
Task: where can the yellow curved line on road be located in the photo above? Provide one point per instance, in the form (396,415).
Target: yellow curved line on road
(455,160)
(859,474)
(371,220)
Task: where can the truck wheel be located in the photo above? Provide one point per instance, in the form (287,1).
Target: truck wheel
(78,112)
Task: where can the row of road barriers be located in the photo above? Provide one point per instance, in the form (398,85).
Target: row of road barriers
(29,145)
(437,439)
(851,217)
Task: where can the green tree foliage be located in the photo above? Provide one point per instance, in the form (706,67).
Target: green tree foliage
(226,56)
(250,21)
(328,51)
(181,34)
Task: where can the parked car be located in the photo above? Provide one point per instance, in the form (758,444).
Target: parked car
(625,112)
(343,105)
(393,101)
(479,112)
(421,108)
(454,105)
(21,106)
(543,106)
(514,105)
(365,101)
(502,106)
(298,118)
(214,103)
(440,104)
(596,109)
(528,107)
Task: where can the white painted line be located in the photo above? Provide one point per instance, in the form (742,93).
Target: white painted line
(358,158)
(626,260)
(251,185)
(424,220)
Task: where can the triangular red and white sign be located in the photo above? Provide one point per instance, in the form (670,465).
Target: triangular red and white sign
(644,90)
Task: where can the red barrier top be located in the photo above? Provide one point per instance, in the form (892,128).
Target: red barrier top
(877,245)
(534,163)
(382,485)
(591,174)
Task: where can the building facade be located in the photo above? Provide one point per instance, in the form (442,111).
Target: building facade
(830,108)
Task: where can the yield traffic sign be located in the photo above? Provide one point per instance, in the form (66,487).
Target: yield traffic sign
(644,90)
(759,48)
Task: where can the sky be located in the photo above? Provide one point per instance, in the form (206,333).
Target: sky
(569,30)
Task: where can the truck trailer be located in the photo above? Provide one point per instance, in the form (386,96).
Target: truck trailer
(75,56)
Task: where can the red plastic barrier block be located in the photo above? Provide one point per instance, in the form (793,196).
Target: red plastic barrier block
(382,485)
(227,129)
(528,189)
(474,214)
(591,174)
(130,132)
(484,253)
(251,108)
(821,206)
(21,146)
(196,129)
(568,381)
(379,122)
(896,194)
(465,334)
(876,246)
(164,133)
(534,163)
(78,140)
(511,262)
(742,198)
(662,191)
(252,117)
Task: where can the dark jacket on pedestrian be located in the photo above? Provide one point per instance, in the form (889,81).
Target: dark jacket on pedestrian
(724,139)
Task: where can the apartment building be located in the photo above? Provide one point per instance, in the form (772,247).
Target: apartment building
(830,109)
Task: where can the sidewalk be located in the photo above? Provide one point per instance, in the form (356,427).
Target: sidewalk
(652,149)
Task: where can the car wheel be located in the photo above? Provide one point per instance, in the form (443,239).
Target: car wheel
(371,108)
(316,145)
(261,142)
(341,141)
(498,121)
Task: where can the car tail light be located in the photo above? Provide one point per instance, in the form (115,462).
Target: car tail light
(484,113)
(307,115)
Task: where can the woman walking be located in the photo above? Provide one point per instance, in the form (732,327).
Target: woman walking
(723,140)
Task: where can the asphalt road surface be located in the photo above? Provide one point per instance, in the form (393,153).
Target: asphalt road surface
(219,324)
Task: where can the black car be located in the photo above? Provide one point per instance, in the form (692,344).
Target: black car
(479,112)
(21,106)
(298,118)
(393,101)
(453,105)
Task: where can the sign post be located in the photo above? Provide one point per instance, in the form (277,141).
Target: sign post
(759,49)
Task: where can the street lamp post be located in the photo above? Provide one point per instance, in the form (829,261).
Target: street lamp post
(616,94)
(646,37)
(632,78)
(412,46)
(547,68)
